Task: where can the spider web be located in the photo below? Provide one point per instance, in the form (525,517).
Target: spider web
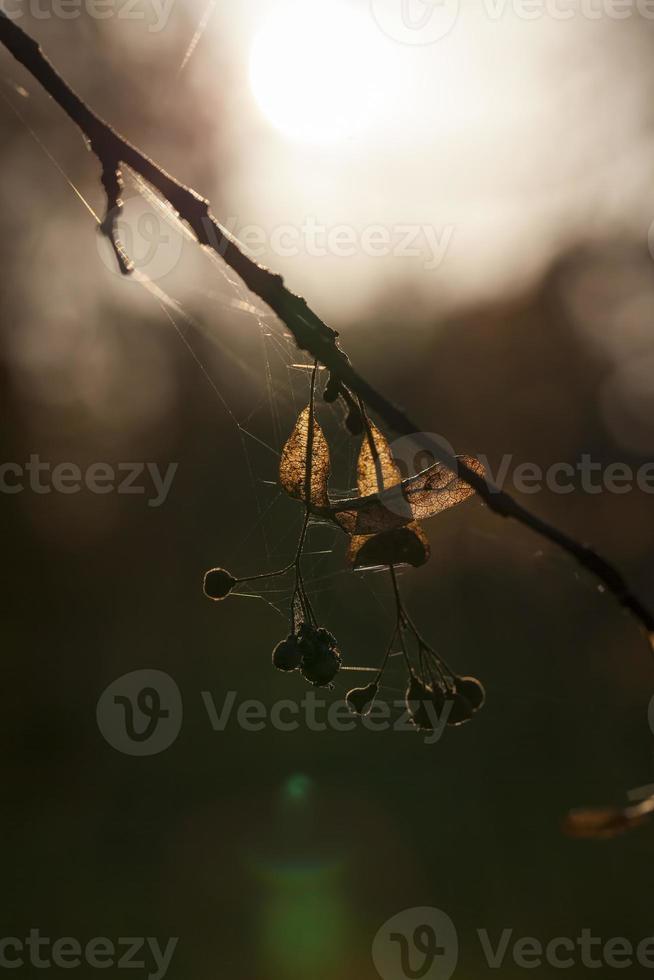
(283,378)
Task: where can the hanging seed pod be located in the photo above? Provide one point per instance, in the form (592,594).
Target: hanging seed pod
(438,697)
(461,710)
(321,667)
(473,691)
(287,655)
(218,583)
(325,639)
(320,660)
(417,696)
(360,699)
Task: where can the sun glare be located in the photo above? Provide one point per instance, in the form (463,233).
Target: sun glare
(316,70)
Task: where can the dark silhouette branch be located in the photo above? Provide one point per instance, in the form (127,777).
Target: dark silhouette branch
(310,332)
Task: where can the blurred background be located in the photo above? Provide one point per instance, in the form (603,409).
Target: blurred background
(466,194)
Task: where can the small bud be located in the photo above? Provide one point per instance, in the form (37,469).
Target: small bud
(287,654)
(218,583)
(359,700)
(472,690)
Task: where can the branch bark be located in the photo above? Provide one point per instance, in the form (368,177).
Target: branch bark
(310,332)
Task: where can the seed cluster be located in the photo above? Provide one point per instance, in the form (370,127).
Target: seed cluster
(311,650)
(433,690)
(461,699)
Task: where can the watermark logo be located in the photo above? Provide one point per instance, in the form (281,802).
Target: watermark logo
(415,21)
(417,452)
(153,243)
(413,454)
(416,944)
(141,713)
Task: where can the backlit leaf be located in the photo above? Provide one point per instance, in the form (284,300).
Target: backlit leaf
(293,463)
(596,824)
(406,545)
(600,823)
(376,471)
(437,489)
(424,495)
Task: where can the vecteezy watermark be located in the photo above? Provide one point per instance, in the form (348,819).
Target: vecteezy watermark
(155,12)
(414,453)
(415,21)
(43,477)
(427,21)
(567,9)
(319,715)
(141,714)
(100,953)
(423,942)
(318,240)
(154,244)
(565,952)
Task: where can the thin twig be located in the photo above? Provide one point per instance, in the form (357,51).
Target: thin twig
(310,332)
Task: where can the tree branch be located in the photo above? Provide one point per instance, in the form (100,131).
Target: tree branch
(310,332)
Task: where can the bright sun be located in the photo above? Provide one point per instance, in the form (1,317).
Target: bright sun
(316,70)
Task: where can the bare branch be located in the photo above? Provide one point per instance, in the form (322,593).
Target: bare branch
(310,332)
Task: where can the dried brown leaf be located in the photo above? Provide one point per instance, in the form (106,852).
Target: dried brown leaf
(437,489)
(428,493)
(595,824)
(376,471)
(293,463)
(604,823)
(406,545)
